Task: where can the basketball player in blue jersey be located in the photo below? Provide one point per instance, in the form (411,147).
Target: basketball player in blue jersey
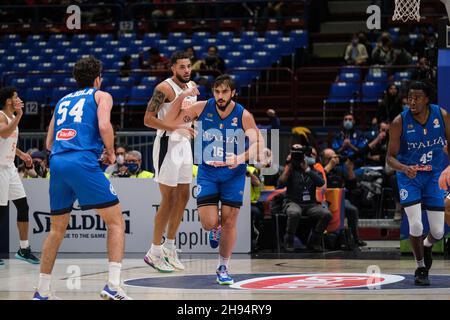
(227,137)
(416,152)
(79,129)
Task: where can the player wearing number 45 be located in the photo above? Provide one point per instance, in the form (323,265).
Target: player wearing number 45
(416,152)
(227,138)
(79,129)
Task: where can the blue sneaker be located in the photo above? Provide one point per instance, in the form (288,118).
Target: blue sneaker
(223,277)
(27,255)
(214,237)
(109,294)
(51,296)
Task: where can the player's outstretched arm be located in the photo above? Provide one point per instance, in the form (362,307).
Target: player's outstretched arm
(395,132)
(105,104)
(444,179)
(178,115)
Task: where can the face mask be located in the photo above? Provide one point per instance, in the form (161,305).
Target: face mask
(310,161)
(132,167)
(348,125)
(120,159)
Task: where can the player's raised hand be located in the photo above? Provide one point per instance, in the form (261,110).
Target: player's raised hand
(410,172)
(444,179)
(18,106)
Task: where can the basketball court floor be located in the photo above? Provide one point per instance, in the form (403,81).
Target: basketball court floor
(379,274)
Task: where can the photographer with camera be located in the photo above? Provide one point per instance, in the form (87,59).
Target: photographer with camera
(336,178)
(301,180)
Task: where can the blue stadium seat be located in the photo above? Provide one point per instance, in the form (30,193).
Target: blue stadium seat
(58,61)
(272,36)
(60,92)
(246,49)
(86,46)
(300,38)
(342,92)
(149,81)
(108,79)
(118,93)
(109,59)
(184,43)
(350,69)
(72,53)
(248,36)
(168,51)
(376,76)
(372,91)
(46,82)
(258,43)
(251,63)
(136,45)
(102,38)
(140,95)
(223,48)
(273,49)
(19,83)
(231,63)
(16,46)
(151,38)
(46,67)
(9,60)
(69,82)
(3,52)
(234,43)
(202,95)
(199,37)
(56,38)
(68,65)
(225,36)
(33,61)
(39,46)
(175,37)
(210,42)
(125,81)
(21,67)
(21,54)
(200,50)
(287,45)
(35,38)
(404,75)
(10,38)
(234,55)
(263,57)
(39,94)
(349,77)
(98,51)
(122,51)
(126,38)
(81,37)
(161,44)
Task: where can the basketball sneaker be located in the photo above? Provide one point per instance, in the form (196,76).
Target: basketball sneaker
(427,256)
(421,277)
(27,255)
(214,237)
(2,262)
(223,277)
(158,263)
(110,294)
(171,256)
(50,296)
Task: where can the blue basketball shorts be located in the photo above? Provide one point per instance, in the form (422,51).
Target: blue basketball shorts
(424,189)
(77,175)
(220,184)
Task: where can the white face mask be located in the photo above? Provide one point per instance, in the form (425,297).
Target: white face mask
(120,159)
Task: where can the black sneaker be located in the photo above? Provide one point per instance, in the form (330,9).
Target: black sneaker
(428,257)
(27,255)
(421,277)
(361,243)
(289,243)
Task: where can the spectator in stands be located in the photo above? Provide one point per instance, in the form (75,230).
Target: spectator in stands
(377,148)
(39,168)
(356,53)
(421,42)
(257,210)
(274,120)
(349,141)
(383,53)
(424,72)
(125,69)
(113,169)
(362,37)
(192,55)
(212,61)
(390,106)
(301,181)
(337,178)
(401,56)
(431,50)
(273,9)
(155,61)
(133,165)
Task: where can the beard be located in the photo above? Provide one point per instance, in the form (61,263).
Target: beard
(222,108)
(181,79)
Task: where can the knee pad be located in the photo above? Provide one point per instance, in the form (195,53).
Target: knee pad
(414,214)
(22,209)
(437,224)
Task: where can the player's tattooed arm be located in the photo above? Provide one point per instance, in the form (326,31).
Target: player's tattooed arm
(156,101)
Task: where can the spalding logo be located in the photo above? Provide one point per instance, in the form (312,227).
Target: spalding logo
(66,134)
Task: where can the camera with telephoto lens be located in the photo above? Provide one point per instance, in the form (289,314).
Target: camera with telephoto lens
(298,155)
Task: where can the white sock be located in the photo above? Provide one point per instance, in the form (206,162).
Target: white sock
(24,244)
(421,263)
(223,262)
(44,284)
(169,244)
(114,274)
(427,243)
(156,250)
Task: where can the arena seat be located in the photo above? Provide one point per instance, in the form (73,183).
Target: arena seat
(371,91)
(342,92)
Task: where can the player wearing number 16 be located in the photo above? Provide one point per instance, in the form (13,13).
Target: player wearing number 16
(79,129)
(416,152)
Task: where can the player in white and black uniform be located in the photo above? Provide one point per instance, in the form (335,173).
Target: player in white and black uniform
(11,187)
(172,159)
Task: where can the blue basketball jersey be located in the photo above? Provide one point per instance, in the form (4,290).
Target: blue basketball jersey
(216,136)
(423,144)
(76,123)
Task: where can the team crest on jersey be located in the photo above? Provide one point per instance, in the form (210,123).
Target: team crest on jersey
(425,131)
(403,194)
(436,123)
(221,126)
(209,115)
(112,190)
(410,126)
(66,134)
(234,122)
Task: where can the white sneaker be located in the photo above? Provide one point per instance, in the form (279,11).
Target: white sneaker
(111,294)
(158,262)
(172,258)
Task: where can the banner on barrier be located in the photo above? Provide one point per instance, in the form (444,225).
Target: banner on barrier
(139,200)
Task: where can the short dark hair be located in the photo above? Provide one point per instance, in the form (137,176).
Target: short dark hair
(178,55)
(349,114)
(86,70)
(420,85)
(5,94)
(225,79)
